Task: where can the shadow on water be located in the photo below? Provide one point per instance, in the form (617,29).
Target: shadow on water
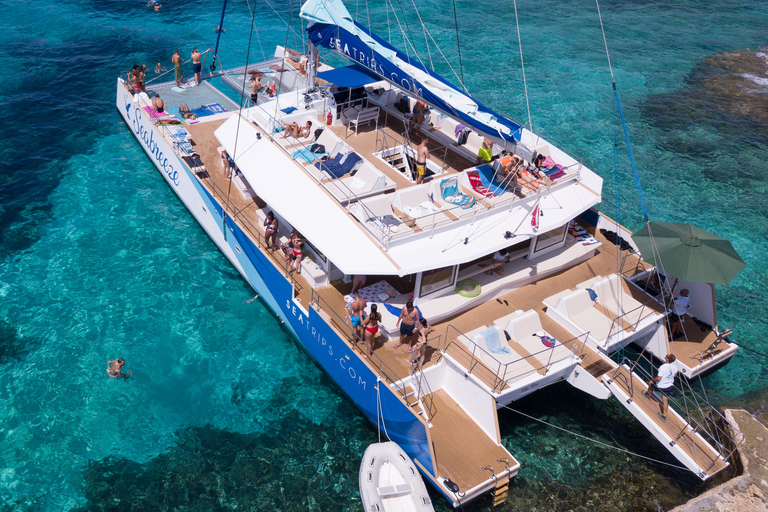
(49,125)
(14,346)
(726,91)
(295,465)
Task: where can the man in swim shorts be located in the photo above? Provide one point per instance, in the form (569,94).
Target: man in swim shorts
(356,312)
(197,67)
(409,315)
(176,59)
(418,114)
(422,155)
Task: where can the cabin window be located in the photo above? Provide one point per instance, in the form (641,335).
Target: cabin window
(550,238)
(437,279)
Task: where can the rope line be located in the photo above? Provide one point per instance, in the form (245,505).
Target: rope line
(601,443)
(522,65)
(458,46)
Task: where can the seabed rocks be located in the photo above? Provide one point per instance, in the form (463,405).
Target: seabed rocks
(749,491)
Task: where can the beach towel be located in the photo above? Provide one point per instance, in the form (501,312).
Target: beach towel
(277,67)
(208,109)
(395,310)
(307,155)
(289,110)
(459,128)
(338,166)
(168,121)
(493,342)
(486,174)
(477,184)
(152,114)
(177,89)
(449,191)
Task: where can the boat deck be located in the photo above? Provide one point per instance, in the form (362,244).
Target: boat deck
(674,426)
(461,449)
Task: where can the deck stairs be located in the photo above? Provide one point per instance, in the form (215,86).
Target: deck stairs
(698,444)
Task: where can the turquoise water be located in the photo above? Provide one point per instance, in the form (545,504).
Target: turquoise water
(98,258)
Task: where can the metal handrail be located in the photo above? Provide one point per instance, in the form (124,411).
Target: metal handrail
(426,398)
(390,374)
(501,377)
(715,437)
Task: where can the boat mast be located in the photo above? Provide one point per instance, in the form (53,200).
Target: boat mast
(218,36)
(313,59)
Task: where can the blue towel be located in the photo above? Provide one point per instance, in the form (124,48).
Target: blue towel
(289,110)
(335,168)
(396,310)
(306,155)
(492,341)
(592,294)
(486,173)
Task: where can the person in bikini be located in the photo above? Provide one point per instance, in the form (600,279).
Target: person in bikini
(409,315)
(228,164)
(270,91)
(422,155)
(115,368)
(176,59)
(420,350)
(296,253)
(270,230)
(159,104)
(371,324)
(418,114)
(356,312)
(295,130)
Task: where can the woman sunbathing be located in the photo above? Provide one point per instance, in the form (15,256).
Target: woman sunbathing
(295,130)
(185,113)
(270,91)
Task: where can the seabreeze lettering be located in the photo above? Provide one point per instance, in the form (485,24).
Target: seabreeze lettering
(147,138)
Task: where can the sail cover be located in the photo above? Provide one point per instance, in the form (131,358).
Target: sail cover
(331,26)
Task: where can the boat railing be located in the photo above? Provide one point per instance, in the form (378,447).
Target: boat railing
(343,325)
(701,417)
(423,389)
(505,372)
(619,321)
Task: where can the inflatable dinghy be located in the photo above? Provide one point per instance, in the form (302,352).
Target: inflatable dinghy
(389,481)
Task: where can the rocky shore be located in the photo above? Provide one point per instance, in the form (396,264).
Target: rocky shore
(749,491)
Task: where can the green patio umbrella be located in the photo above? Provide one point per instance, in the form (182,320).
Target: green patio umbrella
(688,253)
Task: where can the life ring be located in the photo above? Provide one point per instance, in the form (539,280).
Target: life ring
(468,288)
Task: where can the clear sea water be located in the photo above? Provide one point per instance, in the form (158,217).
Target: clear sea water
(99,259)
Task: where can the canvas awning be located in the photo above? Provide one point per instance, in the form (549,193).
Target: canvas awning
(349,76)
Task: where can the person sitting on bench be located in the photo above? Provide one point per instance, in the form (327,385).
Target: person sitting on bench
(295,130)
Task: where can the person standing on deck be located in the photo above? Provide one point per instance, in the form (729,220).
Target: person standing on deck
(255,85)
(664,382)
(356,312)
(409,315)
(176,59)
(371,324)
(197,67)
(420,350)
(485,153)
(422,155)
(679,306)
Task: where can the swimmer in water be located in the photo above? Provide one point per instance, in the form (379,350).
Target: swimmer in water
(115,368)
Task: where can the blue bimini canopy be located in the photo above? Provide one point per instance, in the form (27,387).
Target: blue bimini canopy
(331,26)
(350,76)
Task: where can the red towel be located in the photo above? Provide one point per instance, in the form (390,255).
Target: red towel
(477,185)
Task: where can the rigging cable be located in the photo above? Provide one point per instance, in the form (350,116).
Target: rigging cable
(601,443)
(250,9)
(522,64)
(632,162)
(458,45)
(218,35)
(239,118)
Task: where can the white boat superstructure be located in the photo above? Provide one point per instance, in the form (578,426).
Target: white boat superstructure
(518,277)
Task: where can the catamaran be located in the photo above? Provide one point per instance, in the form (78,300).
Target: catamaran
(495,239)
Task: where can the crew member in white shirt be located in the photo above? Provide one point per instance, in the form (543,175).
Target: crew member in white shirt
(664,382)
(681,304)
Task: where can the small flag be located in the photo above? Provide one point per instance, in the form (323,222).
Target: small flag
(535,218)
